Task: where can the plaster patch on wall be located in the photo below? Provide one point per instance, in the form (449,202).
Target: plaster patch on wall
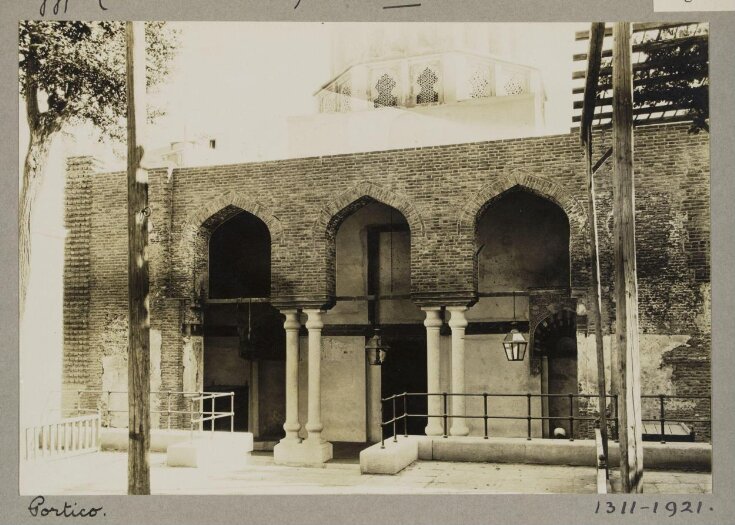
(587,362)
(193,364)
(115,374)
(334,349)
(114,338)
(704,319)
(155,375)
(115,381)
(656,377)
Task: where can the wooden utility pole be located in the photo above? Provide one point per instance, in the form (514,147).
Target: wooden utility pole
(138,315)
(597,36)
(626,285)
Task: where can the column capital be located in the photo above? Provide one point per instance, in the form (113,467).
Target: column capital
(433,320)
(314,319)
(457,309)
(458,319)
(292,320)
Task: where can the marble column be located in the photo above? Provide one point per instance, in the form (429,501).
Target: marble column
(314,450)
(318,450)
(314,419)
(292,325)
(433,323)
(458,323)
(289,449)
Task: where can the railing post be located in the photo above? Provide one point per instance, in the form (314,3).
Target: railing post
(382,425)
(168,410)
(108,413)
(444,397)
(484,403)
(617,420)
(571,417)
(528,399)
(395,438)
(191,419)
(405,415)
(662,417)
(232,411)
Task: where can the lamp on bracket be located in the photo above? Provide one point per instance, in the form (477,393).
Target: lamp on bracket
(514,343)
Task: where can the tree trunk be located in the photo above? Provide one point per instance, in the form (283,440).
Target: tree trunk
(33,170)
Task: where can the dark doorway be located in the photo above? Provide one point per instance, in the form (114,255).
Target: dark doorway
(562,374)
(222,404)
(555,343)
(405,371)
(244,340)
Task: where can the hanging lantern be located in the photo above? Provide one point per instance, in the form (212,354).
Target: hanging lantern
(246,348)
(514,343)
(375,349)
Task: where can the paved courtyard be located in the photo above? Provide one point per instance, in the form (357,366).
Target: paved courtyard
(105,473)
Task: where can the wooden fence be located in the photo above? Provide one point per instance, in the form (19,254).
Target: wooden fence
(71,436)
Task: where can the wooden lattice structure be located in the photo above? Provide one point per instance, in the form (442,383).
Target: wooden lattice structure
(670,74)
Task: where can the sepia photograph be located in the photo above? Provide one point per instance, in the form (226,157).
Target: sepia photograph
(364,258)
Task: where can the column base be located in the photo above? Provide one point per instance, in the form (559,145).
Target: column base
(459,431)
(304,454)
(434,430)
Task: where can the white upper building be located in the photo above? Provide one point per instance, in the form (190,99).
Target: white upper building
(425,85)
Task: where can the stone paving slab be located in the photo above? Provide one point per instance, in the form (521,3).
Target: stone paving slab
(105,473)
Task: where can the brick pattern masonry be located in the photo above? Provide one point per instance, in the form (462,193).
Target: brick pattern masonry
(440,190)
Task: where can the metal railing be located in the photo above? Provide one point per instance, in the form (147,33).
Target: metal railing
(70,436)
(400,402)
(167,399)
(529,417)
(212,415)
(662,419)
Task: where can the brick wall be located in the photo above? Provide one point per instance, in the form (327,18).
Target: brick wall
(77,360)
(440,190)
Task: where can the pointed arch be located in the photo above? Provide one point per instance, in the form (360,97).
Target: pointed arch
(545,188)
(332,214)
(337,209)
(228,204)
(191,244)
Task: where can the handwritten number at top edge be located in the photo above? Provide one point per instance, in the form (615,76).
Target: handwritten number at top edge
(42,10)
